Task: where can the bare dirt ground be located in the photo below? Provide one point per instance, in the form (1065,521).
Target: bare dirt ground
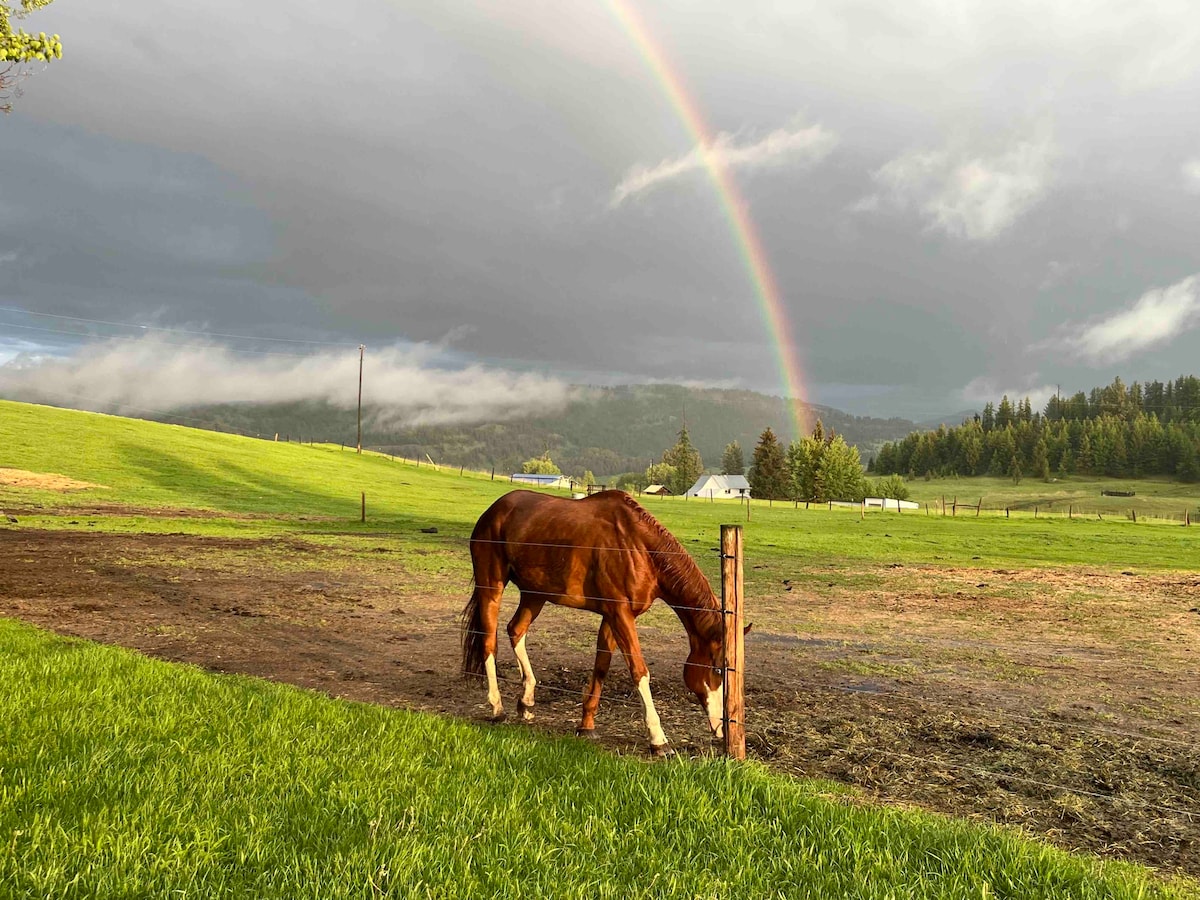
(1063,702)
(44,481)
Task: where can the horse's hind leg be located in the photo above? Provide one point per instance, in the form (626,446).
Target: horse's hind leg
(518,626)
(605,644)
(480,620)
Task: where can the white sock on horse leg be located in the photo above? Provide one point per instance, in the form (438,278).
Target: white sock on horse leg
(653,725)
(527,678)
(493,695)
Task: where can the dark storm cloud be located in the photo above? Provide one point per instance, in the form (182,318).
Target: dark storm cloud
(949,193)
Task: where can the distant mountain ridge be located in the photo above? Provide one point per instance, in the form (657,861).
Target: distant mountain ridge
(608,430)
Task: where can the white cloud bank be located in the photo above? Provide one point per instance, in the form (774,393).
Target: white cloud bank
(401,386)
(796,146)
(971,197)
(1158,317)
(983,390)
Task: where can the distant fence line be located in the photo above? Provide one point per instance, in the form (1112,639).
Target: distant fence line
(952,507)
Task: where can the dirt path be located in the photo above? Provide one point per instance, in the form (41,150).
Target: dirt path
(1026,720)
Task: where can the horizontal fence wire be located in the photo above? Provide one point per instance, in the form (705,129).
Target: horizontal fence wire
(774,730)
(1002,776)
(617,651)
(1057,724)
(492,587)
(576,695)
(645,550)
(778,682)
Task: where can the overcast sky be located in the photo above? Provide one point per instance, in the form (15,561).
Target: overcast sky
(957,198)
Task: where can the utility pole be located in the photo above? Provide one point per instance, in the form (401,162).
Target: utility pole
(361,349)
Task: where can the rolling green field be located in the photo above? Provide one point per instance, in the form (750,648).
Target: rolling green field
(121,776)
(268,488)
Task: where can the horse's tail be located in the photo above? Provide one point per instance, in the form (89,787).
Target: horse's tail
(489,569)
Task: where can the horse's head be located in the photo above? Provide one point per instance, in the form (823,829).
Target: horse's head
(703,677)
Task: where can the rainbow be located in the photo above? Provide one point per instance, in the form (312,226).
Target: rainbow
(745,233)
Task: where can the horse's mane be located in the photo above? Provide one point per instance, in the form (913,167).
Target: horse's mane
(681,573)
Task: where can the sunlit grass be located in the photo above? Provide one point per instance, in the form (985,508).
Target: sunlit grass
(121,776)
(264,488)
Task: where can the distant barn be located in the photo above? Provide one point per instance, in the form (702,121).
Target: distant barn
(659,490)
(718,487)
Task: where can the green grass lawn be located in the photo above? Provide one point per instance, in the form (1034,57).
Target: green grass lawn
(125,777)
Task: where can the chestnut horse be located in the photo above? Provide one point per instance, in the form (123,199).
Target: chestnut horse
(603,553)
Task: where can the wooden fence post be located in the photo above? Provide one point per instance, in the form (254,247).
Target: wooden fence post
(734,641)
(364,506)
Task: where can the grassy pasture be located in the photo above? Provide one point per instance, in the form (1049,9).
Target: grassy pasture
(128,777)
(121,769)
(1152,497)
(144,471)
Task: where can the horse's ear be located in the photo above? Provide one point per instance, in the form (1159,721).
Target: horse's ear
(746,630)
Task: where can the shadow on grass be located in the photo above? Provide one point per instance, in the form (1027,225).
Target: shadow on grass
(239,489)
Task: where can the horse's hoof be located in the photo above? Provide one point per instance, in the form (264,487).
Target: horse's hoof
(498,716)
(526,711)
(661,751)
(586,733)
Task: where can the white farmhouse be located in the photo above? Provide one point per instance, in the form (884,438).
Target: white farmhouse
(718,487)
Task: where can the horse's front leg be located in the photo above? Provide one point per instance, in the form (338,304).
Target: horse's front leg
(605,644)
(627,639)
(518,627)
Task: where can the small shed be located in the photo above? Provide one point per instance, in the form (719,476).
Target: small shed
(717,487)
(659,490)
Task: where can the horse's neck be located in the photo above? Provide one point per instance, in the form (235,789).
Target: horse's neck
(700,612)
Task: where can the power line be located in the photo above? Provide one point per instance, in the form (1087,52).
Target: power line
(246,337)
(119,337)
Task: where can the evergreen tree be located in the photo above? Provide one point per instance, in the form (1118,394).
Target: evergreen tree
(803,459)
(768,473)
(1066,464)
(732,460)
(1041,462)
(1005,415)
(839,473)
(686,461)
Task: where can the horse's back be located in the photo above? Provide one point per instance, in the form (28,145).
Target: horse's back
(543,540)
(602,519)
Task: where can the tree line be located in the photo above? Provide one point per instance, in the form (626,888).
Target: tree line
(1116,431)
(818,467)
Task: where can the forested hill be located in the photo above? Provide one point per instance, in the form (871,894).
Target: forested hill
(608,431)
(1119,431)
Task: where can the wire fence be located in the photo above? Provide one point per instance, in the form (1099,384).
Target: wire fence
(768,724)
